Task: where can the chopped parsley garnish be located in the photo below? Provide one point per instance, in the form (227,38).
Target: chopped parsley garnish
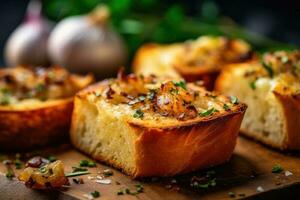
(234,100)
(277,168)
(40,87)
(52,158)
(107,172)
(78,173)
(87,163)
(95,194)
(181,84)
(269,69)
(139,189)
(138,114)
(10,174)
(209,183)
(142,98)
(252,85)
(18,163)
(79,169)
(226,107)
(208,112)
(174,91)
(151,94)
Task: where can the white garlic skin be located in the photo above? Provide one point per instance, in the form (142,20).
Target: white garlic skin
(27,45)
(83,47)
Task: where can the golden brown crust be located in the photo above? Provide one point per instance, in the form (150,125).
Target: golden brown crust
(188,148)
(25,129)
(175,148)
(291,109)
(150,56)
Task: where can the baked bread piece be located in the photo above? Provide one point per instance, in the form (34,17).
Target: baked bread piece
(36,105)
(150,128)
(200,59)
(271,89)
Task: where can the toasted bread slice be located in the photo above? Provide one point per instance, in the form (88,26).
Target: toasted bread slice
(271,89)
(200,59)
(150,128)
(36,105)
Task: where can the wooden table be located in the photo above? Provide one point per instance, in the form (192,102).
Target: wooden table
(249,169)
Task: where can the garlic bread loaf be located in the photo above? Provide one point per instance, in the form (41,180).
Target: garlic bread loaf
(36,105)
(147,127)
(200,59)
(271,89)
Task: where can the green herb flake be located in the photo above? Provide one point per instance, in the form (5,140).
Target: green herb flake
(252,85)
(231,194)
(107,172)
(18,163)
(138,114)
(79,169)
(269,69)
(43,169)
(277,168)
(40,87)
(234,100)
(181,84)
(95,194)
(226,107)
(79,173)
(52,158)
(151,94)
(142,98)
(120,192)
(10,174)
(208,112)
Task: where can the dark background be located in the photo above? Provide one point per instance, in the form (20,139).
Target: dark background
(276,19)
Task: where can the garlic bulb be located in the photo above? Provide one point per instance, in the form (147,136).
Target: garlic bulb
(87,44)
(27,45)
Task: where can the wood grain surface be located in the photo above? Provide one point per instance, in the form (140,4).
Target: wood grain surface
(249,168)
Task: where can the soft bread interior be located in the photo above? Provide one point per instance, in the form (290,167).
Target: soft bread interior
(264,118)
(99,132)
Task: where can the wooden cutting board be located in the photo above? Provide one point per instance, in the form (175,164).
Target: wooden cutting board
(249,168)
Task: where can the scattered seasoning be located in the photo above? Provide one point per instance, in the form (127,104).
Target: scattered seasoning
(208,112)
(10,173)
(138,114)
(87,163)
(226,107)
(142,98)
(288,173)
(52,158)
(277,168)
(151,94)
(138,189)
(104,181)
(78,180)
(107,172)
(18,163)
(269,69)
(95,194)
(231,194)
(77,173)
(260,189)
(40,87)
(252,85)
(79,169)
(234,100)
(174,91)
(181,84)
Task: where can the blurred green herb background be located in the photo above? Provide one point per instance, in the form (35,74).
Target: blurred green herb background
(142,21)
